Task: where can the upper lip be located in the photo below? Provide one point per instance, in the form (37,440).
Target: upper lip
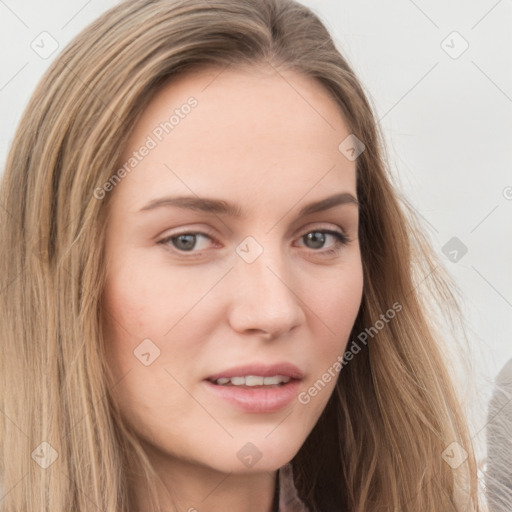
(259,369)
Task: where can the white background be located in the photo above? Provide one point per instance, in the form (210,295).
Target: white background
(447,122)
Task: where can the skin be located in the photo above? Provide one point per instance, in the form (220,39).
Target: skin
(254,140)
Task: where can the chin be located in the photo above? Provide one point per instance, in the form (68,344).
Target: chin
(257,455)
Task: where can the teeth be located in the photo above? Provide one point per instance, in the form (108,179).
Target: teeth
(269,381)
(253,380)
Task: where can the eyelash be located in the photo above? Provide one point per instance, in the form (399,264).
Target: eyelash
(341,240)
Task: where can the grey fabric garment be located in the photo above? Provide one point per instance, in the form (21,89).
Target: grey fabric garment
(288,499)
(498,474)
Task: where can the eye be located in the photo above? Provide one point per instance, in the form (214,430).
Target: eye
(318,238)
(188,241)
(185,242)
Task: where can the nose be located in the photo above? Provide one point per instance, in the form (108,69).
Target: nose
(264,299)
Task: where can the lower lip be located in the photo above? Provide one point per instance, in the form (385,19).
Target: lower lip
(258,400)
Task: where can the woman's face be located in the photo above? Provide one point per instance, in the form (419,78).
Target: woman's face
(246,277)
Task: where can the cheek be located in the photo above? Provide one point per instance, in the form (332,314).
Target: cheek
(349,292)
(336,304)
(148,294)
(149,317)
(138,355)
(132,313)
(334,308)
(144,300)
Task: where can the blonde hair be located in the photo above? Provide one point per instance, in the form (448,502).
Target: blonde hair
(377,446)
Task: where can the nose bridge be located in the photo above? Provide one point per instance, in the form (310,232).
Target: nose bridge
(265,298)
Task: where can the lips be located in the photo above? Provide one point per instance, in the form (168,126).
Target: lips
(256,399)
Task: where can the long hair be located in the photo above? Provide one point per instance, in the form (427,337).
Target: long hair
(380,444)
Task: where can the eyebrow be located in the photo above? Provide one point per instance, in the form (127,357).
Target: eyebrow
(219,206)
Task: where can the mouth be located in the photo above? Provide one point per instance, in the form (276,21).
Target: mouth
(256,388)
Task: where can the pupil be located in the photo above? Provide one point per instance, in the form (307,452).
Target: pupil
(317,238)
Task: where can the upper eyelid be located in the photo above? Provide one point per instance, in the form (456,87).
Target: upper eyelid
(304,230)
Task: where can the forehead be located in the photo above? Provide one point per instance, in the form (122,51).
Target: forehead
(260,134)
